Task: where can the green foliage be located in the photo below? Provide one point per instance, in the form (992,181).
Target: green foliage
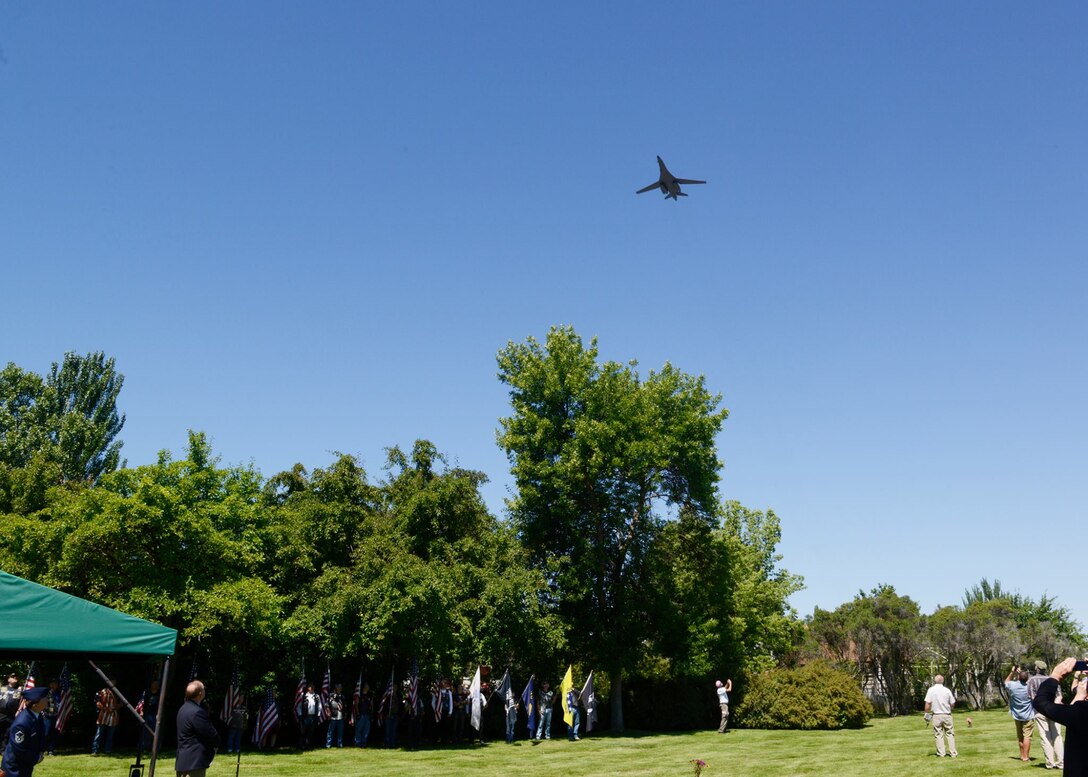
(597,452)
(58,429)
(415,567)
(973,646)
(71,414)
(177,542)
(813,696)
(880,635)
(721,599)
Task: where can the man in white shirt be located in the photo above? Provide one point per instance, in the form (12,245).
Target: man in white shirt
(939,703)
(723,690)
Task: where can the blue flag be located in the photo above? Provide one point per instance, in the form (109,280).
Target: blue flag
(528,701)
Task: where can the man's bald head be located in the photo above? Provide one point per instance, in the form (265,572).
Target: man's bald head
(194,691)
(939,679)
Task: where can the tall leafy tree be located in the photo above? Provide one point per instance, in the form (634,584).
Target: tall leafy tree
(58,429)
(600,455)
(723,600)
(81,405)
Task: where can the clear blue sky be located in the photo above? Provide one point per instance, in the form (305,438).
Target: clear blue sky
(309,227)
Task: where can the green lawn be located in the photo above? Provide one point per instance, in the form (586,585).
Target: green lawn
(896,746)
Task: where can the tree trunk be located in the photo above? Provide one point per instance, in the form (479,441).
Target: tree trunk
(615,678)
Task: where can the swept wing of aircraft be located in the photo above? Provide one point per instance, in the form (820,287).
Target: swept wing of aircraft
(668,183)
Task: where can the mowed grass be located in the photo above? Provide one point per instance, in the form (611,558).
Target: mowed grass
(887,746)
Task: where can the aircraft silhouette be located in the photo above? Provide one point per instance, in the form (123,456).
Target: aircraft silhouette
(668,183)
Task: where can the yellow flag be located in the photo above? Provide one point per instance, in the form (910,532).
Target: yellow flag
(564,688)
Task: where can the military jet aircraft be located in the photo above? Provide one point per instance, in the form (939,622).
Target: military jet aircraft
(667,183)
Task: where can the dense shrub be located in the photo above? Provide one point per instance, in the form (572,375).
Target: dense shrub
(814,696)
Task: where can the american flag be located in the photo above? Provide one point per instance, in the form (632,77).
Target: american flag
(140,703)
(387,700)
(233,696)
(413,687)
(300,692)
(326,689)
(355,699)
(64,709)
(27,685)
(267,721)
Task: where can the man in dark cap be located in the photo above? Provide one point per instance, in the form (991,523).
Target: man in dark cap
(26,739)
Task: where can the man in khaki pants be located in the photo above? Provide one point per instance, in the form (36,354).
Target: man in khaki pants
(1047,728)
(939,702)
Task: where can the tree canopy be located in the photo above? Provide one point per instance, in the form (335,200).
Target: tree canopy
(598,454)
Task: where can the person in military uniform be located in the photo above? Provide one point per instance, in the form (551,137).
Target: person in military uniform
(26,739)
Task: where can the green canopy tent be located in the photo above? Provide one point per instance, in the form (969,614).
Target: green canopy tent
(40,620)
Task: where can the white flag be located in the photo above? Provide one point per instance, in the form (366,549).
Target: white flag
(477,702)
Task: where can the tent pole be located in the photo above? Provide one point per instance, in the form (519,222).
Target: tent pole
(158,718)
(119,695)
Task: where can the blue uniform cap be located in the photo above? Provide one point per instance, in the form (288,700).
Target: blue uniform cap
(35,694)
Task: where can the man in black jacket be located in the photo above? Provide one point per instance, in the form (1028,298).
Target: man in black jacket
(1073,716)
(197,738)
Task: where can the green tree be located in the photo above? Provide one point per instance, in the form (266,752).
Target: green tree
(881,635)
(762,621)
(599,456)
(414,567)
(59,429)
(1046,627)
(180,543)
(722,597)
(81,403)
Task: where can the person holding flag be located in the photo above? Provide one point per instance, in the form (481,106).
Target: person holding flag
(544,704)
(307,712)
(444,710)
(236,724)
(509,705)
(461,702)
(476,703)
(389,711)
(326,689)
(528,700)
(106,722)
(267,722)
(362,706)
(52,709)
(335,705)
(64,706)
(571,714)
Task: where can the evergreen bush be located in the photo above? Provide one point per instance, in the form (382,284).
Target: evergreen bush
(814,696)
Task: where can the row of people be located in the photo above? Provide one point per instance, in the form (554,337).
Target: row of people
(446,714)
(1035,703)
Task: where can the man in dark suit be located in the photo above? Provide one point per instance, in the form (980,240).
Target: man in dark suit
(26,739)
(197,738)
